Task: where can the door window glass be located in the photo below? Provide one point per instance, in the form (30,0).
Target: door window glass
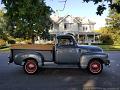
(64,42)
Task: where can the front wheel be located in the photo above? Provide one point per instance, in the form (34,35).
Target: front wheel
(30,66)
(95,67)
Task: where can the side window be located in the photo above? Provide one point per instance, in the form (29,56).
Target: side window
(65,42)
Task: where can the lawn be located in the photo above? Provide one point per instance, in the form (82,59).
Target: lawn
(110,47)
(5,49)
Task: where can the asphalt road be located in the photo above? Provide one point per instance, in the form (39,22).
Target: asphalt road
(12,77)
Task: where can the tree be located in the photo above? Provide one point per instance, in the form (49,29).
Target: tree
(106,36)
(112,4)
(113,23)
(3,31)
(27,18)
(113,20)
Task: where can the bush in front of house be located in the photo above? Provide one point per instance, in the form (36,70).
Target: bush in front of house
(2,42)
(106,39)
(11,41)
(3,46)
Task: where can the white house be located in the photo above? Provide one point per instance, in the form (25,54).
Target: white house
(82,28)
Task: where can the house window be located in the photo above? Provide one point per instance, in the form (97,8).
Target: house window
(65,26)
(83,28)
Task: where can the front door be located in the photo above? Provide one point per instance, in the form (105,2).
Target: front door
(66,52)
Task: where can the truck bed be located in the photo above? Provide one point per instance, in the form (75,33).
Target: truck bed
(41,47)
(45,49)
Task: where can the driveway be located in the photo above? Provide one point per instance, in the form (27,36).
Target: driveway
(12,77)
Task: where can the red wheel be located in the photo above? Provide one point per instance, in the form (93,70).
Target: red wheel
(30,67)
(95,67)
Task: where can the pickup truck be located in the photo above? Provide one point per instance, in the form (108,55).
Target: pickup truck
(65,51)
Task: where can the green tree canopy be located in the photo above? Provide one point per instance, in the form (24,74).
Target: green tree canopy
(27,18)
(112,4)
(113,20)
(3,32)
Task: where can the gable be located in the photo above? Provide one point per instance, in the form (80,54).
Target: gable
(68,19)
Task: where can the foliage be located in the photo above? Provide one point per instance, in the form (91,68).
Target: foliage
(113,23)
(2,42)
(105,36)
(113,4)
(3,31)
(106,39)
(27,18)
(109,36)
(113,20)
(11,41)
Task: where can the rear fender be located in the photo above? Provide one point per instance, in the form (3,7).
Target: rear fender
(22,57)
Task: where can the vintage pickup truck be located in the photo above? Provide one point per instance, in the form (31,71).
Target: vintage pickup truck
(65,51)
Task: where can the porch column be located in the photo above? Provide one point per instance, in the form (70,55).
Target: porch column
(86,38)
(78,38)
(99,39)
(94,38)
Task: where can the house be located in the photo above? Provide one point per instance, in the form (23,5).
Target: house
(81,28)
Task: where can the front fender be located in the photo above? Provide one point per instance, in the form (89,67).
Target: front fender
(21,57)
(85,58)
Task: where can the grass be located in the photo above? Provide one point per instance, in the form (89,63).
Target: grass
(5,49)
(110,47)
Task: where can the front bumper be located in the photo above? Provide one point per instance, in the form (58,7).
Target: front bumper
(107,62)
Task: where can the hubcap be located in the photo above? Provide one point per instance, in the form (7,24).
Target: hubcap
(95,67)
(30,67)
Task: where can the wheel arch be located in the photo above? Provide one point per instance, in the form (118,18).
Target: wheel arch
(35,56)
(85,60)
(30,58)
(98,59)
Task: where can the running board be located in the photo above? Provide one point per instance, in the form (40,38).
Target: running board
(53,65)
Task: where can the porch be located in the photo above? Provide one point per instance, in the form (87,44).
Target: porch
(88,37)
(81,37)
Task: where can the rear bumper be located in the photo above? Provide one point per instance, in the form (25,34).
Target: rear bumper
(10,60)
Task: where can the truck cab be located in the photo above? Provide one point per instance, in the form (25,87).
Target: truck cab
(65,51)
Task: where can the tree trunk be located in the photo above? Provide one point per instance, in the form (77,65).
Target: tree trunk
(32,39)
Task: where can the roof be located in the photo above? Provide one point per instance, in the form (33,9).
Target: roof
(62,18)
(82,20)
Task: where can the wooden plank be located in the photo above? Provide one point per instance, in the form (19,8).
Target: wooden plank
(33,46)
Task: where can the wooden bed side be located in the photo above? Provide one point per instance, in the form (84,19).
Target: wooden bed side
(33,46)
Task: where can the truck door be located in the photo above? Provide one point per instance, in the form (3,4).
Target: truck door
(66,52)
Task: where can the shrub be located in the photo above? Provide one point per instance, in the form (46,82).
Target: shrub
(2,42)
(3,46)
(11,41)
(106,39)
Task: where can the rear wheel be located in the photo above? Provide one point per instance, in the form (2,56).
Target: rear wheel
(31,66)
(95,67)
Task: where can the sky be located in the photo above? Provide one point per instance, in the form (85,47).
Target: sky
(77,8)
